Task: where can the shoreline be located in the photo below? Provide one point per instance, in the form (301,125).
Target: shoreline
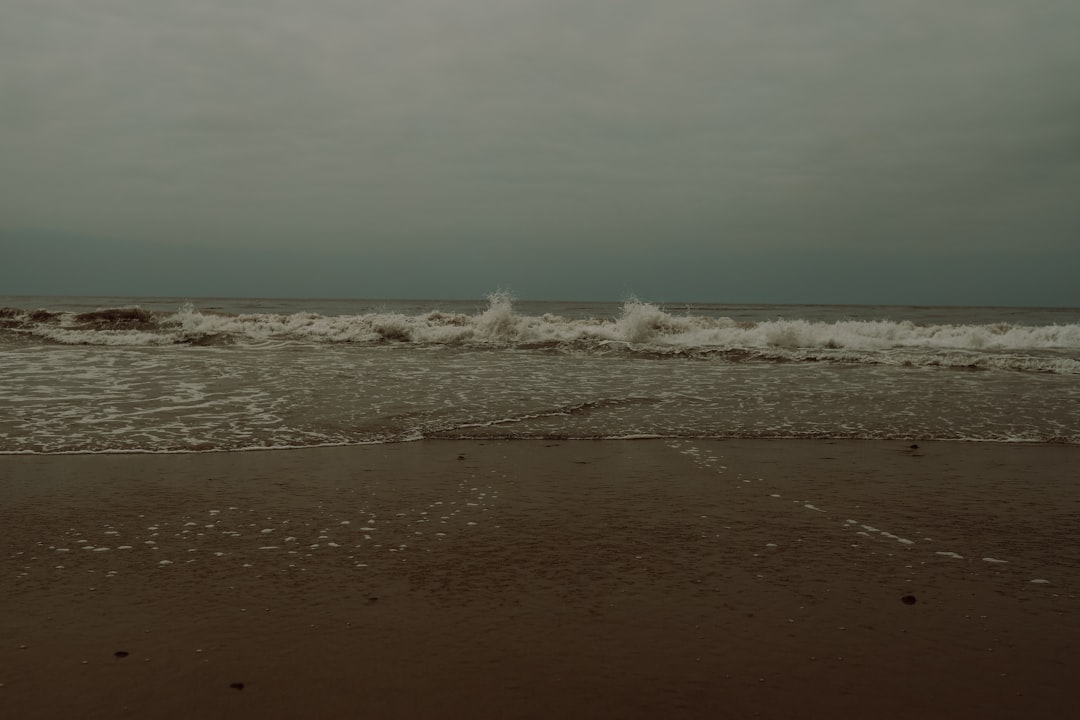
(520,578)
(899,442)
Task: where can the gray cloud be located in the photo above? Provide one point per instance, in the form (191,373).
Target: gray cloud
(504,129)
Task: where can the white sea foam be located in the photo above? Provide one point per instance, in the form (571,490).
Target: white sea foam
(640,327)
(897,538)
(643,372)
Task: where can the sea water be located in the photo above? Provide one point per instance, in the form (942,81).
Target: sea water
(176,375)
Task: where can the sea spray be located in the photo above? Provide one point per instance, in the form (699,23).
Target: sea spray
(638,328)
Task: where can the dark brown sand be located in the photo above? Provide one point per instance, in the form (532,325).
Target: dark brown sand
(544,580)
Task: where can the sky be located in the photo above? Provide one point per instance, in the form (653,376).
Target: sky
(909,152)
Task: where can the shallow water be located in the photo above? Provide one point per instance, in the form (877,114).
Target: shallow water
(216,376)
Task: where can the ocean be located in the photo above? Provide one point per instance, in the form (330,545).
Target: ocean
(160,375)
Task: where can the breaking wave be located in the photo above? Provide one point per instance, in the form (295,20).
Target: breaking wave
(640,328)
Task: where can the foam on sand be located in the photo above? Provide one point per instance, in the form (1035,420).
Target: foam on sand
(596,536)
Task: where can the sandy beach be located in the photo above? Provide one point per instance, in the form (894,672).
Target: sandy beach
(621,579)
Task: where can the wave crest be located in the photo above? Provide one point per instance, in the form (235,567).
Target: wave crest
(640,328)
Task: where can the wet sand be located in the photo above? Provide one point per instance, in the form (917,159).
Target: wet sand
(449,579)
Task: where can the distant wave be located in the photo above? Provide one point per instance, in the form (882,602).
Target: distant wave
(641,328)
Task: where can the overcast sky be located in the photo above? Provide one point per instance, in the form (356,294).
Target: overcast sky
(910,151)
